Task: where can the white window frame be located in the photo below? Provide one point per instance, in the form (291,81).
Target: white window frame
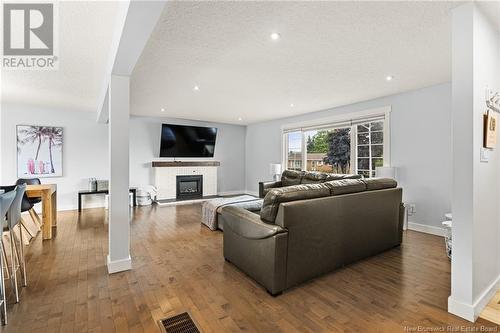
(340,121)
(356,145)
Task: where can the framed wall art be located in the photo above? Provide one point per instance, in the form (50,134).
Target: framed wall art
(39,151)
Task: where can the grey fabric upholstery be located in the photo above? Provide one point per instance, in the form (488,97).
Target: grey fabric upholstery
(314,178)
(379,183)
(345,186)
(339,176)
(6,200)
(30,181)
(276,196)
(14,213)
(26,204)
(291,177)
(313,236)
(264,187)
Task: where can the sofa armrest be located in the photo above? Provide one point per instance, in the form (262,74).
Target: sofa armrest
(247,224)
(263,186)
(257,248)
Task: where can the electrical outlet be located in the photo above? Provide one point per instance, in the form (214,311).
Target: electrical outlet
(485,155)
(412,209)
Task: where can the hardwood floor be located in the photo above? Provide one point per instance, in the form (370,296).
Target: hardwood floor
(178,266)
(492,310)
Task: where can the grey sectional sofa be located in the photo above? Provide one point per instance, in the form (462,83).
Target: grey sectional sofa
(306,230)
(291,177)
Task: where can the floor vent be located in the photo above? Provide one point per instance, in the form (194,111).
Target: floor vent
(181,323)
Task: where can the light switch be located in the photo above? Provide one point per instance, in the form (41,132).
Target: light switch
(485,155)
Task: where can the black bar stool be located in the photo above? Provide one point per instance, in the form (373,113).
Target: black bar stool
(26,206)
(6,200)
(34,215)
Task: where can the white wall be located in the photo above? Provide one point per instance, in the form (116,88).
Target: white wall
(420,147)
(476,198)
(229,150)
(422,114)
(463,147)
(1,138)
(486,175)
(84,149)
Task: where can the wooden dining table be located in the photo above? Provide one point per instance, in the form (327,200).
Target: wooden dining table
(48,193)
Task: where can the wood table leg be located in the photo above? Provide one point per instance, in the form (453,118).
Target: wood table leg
(47,211)
(53,201)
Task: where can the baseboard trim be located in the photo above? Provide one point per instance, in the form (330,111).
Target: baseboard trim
(428,229)
(183,202)
(254,193)
(119,265)
(472,312)
(486,297)
(224,193)
(38,208)
(460,309)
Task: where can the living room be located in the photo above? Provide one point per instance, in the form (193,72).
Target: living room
(334,98)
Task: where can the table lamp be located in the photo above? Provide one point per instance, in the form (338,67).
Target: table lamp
(275,171)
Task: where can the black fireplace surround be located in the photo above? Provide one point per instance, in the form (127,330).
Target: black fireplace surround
(189,187)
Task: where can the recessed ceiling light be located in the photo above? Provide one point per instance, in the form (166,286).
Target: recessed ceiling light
(240,119)
(275,36)
(162,109)
(389,78)
(292,105)
(196,88)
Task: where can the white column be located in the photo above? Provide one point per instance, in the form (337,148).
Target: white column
(1,138)
(475,269)
(119,217)
(463,154)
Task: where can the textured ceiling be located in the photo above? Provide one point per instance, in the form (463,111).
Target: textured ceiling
(329,54)
(85,33)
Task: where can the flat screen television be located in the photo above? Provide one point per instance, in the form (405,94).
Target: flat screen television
(187,141)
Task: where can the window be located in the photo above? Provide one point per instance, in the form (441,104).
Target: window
(354,146)
(294,151)
(329,150)
(369,148)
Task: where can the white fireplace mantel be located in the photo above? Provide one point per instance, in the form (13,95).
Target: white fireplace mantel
(166,172)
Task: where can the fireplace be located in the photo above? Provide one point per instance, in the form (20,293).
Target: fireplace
(189,187)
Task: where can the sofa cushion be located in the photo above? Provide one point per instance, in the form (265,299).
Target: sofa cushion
(276,196)
(345,186)
(313,178)
(266,190)
(291,177)
(338,176)
(379,183)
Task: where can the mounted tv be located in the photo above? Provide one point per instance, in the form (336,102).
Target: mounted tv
(187,141)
